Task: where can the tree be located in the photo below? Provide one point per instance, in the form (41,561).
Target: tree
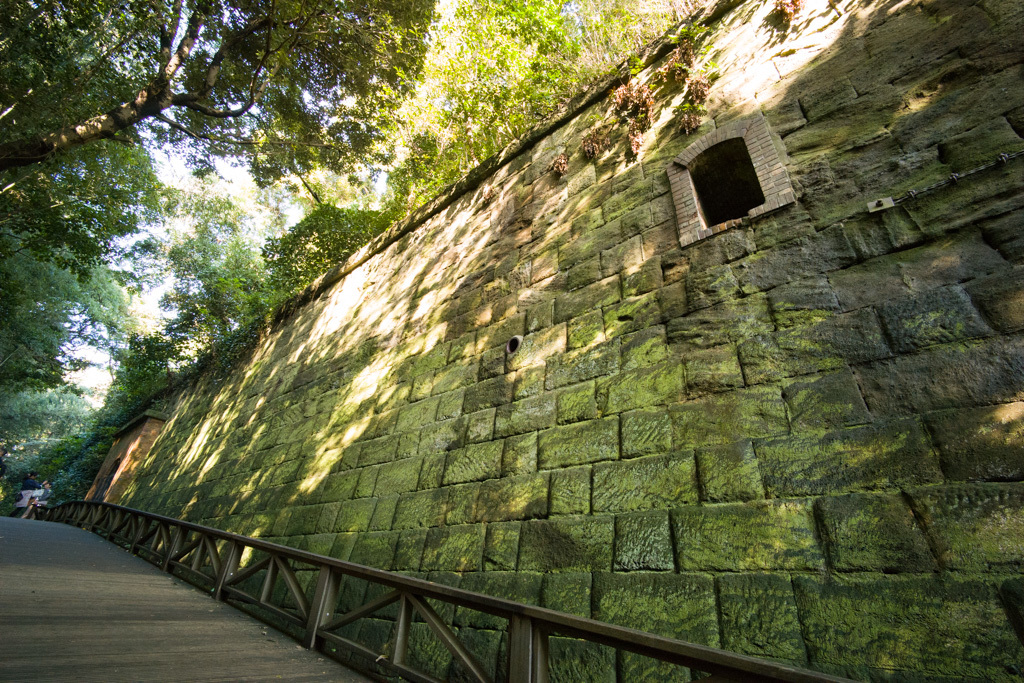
(317,78)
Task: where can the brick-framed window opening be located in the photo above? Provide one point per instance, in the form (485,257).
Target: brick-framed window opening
(728,174)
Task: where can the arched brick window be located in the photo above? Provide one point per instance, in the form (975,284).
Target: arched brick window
(732,172)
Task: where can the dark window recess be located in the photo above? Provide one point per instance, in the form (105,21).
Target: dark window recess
(726,182)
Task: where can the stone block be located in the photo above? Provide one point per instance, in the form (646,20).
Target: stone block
(803,257)
(400,476)
(824,402)
(455,376)
(489,393)
(873,532)
(567,592)
(579,443)
(570,491)
(572,304)
(409,549)
(520,455)
(354,515)
(492,364)
(451,404)
(577,403)
(709,286)
(583,274)
(645,278)
(725,323)
(376,451)
(432,471)
(643,541)
(644,348)
(454,548)
(643,388)
(442,436)
(462,504)
(420,509)
(384,512)
(1000,298)
(588,244)
(480,426)
(632,315)
(756,412)
(672,299)
(851,626)
(416,415)
(804,302)
(950,376)
(516,586)
(678,606)
(645,432)
(580,660)
(628,199)
(582,364)
(777,534)
(527,415)
(475,462)
(759,617)
(713,370)
(975,527)
(566,544)
(375,549)
(539,346)
(513,498)
(529,382)
(656,482)
(729,473)
(501,546)
(979,444)
(937,316)
(623,256)
(340,486)
(585,330)
(890,455)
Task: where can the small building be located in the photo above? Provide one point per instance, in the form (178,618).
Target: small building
(131,444)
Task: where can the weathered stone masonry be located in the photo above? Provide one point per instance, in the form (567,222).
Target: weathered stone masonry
(799,438)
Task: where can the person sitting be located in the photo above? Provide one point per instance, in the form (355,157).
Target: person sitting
(28,487)
(37,500)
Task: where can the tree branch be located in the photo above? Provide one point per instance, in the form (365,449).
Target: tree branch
(239,141)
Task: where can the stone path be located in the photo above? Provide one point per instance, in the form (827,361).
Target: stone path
(74,607)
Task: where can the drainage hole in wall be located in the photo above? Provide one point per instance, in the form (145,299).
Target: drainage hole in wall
(513,344)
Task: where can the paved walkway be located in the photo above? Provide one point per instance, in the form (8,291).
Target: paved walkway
(74,607)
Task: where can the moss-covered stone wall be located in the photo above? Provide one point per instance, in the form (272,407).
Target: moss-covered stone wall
(800,438)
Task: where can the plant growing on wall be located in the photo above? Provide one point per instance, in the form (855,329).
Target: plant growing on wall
(635,102)
(786,10)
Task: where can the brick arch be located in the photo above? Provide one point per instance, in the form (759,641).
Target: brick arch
(771,175)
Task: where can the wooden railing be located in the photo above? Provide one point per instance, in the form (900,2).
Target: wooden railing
(301,591)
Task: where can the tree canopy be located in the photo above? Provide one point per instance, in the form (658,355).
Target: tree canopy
(314,77)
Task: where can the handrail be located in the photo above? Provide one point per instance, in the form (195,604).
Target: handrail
(226,563)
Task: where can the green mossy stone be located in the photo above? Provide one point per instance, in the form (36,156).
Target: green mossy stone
(521,587)
(711,285)
(980,443)
(587,245)
(570,491)
(501,546)
(341,549)
(975,527)
(712,370)
(729,473)
(427,653)
(400,476)
(646,278)
(367,481)
(486,647)
(585,330)
(455,376)
(421,509)
(475,462)
(632,315)
(529,382)
(583,274)
(643,388)
(580,660)
(572,304)
(577,403)
(645,348)
(451,404)
(319,544)
(582,364)
(520,455)
(567,592)
(579,443)
(725,323)
(339,487)
(643,541)
(480,426)
(937,316)
(892,454)
(674,605)
(442,436)
(824,402)
(454,548)
(567,544)
(538,347)
(759,617)
(873,532)
(417,414)
(462,503)
(304,520)
(375,549)
(527,415)
(746,536)
(409,551)
(512,498)
(903,625)
(649,483)
(645,432)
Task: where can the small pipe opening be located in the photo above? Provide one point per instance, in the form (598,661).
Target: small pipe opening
(513,344)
